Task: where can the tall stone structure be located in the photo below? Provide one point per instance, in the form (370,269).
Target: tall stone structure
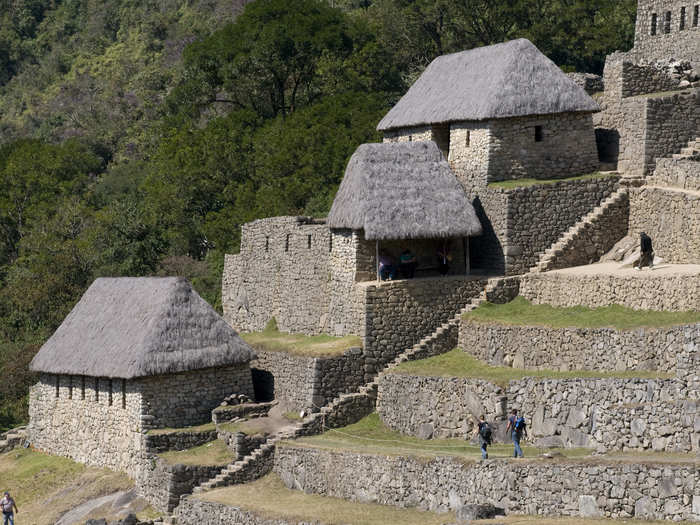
(667,29)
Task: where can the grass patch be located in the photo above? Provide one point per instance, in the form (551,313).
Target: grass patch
(523,313)
(45,487)
(457,363)
(271,499)
(213,453)
(525,183)
(206,427)
(298,344)
(249,427)
(371,435)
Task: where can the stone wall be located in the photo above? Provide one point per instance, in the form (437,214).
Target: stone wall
(349,262)
(194,511)
(677,293)
(604,349)
(283,272)
(401,313)
(162,484)
(87,428)
(589,82)
(240,444)
(569,488)
(186,399)
(671,218)
(162,442)
(286,378)
(676,173)
(522,223)
(677,43)
(566,147)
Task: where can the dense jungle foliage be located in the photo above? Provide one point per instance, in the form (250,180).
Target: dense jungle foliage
(136,136)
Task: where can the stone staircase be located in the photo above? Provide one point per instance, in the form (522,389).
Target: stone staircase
(550,257)
(691,151)
(12,439)
(350,408)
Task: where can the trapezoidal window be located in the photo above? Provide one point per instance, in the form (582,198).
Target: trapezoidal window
(308,242)
(539,134)
(441,136)
(330,243)
(267,243)
(696,15)
(667,22)
(654,23)
(286,243)
(681,23)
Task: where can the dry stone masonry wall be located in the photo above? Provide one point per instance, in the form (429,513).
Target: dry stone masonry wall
(677,173)
(604,349)
(671,218)
(676,33)
(194,511)
(676,293)
(569,488)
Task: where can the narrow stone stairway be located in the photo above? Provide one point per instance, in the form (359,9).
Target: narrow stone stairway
(692,150)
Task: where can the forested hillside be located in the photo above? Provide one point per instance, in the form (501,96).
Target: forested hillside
(136,136)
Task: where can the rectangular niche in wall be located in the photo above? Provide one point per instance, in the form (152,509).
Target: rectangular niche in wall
(696,15)
(539,134)
(654,22)
(441,137)
(667,22)
(681,24)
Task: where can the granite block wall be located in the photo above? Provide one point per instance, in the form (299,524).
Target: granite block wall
(680,39)
(101,433)
(186,399)
(565,488)
(194,511)
(523,222)
(604,349)
(671,218)
(283,272)
(676,173)
(287,378)
(676,293)
(162,442)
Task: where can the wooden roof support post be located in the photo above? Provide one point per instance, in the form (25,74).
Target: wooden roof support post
(376,255)
(467,262)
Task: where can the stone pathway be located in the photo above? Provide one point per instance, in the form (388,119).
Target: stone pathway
(623,270)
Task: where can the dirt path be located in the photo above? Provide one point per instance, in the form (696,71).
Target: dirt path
(622,270)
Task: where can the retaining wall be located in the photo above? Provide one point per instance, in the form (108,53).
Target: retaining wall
(671,218)
(177,440)
(677,43)
(677,173)
(568,488)
(676,293)
(194,511)
(605,349)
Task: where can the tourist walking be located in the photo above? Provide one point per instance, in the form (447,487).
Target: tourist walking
(8,506)
(518,428)
(646,257)
(483,430)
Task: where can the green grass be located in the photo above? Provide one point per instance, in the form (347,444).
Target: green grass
(457,363)
(270,498)
(299,344)
(212,453)
(371,435)
(199,428)
(524,183)
(522,313)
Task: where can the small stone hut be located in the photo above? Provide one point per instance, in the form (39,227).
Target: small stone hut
(403,195)
(499,112)
(134,354)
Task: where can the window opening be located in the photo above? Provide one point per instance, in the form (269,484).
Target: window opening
(468,138)
(82,387)
(696,15)
(681,24)
(286,243)
(330,243)
(667,22)
(440,134)
(308,241)
(654,22)
(538,134)
(58,379)
(267,243)
(123,393)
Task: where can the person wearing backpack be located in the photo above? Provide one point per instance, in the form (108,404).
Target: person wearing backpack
(8,506)
(483,429)
(518,428)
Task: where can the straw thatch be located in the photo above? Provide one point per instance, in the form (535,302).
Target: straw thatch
(133,327)
(402,190)
(512,79)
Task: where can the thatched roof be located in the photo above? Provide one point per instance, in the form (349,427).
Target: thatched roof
(132,327)
(512,79)
(402,190)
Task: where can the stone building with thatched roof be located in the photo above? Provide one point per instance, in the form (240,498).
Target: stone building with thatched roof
(134,354)
(499,112)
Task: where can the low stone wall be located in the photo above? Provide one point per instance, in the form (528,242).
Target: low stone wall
(239,443)
(162,484)
(671,218)
(177,440)
(194,511)
(588,81)
(225,413)
(566,488)
(542,347)
(437,407)
(676,293)
(677,173)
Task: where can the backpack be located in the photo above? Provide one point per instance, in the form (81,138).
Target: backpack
(485,432)
(519,425)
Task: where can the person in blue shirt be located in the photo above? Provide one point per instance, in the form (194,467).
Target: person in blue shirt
(516,425)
